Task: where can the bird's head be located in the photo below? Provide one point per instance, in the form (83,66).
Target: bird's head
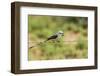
(61,33)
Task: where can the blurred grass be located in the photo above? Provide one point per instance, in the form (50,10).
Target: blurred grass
(72,45)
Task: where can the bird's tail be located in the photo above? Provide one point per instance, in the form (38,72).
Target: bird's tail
(45,40)
(39,43)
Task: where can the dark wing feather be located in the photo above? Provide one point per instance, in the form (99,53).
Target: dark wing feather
(52,37)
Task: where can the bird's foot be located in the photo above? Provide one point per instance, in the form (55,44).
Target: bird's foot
(58,41)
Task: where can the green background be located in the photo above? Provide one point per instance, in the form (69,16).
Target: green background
(72,45)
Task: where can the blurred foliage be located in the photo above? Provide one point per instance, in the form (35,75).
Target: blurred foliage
(41,27)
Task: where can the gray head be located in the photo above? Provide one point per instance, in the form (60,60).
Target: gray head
(60,33)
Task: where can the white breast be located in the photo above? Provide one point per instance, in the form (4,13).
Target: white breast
(59,35)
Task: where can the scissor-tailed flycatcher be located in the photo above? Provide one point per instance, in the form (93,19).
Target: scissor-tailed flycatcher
(56,36)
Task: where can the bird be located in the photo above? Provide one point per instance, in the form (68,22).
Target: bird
(55,36)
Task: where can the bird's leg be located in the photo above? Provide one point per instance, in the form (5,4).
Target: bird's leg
(57,40)
(53,40)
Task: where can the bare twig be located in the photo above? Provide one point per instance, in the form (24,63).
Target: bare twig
(38,43)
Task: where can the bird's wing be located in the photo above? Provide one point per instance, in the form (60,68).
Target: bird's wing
(52,37)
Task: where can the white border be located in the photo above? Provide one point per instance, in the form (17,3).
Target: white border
(25,64)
